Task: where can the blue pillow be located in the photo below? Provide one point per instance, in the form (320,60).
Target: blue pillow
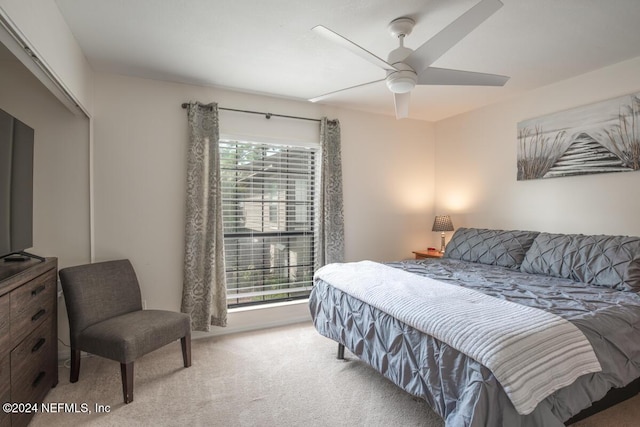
(506,248)
(610,261)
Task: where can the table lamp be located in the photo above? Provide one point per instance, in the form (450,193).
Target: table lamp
(442,223)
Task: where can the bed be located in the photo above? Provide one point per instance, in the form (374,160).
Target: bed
(590,282)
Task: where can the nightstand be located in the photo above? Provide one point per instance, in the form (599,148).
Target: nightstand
(428,253)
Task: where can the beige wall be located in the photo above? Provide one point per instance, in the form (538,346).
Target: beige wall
(41,25)
(397,175)
(140,138)
(61,165)
(476,166)
(393,184)
(61,170)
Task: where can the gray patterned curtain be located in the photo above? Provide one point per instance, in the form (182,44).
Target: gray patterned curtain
(204,292)
(331,221)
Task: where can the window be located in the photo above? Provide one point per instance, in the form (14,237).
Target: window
(269,206)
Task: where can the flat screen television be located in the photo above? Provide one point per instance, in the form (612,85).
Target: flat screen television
(16,188)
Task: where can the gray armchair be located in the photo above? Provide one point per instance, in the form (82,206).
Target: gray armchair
(106,319)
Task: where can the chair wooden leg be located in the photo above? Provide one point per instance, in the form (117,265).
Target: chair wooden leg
(186,350)
(126,369)
(340,351)
(75,365)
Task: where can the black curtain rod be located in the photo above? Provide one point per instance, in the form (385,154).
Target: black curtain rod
(266,115)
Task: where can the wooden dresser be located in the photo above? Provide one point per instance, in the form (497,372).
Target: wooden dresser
(28,336)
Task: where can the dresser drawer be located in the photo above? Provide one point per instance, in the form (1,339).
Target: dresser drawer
(5,419)
(31,304)
(35,383)
(5,337)
(5,387)
(5,375)
(33,369)
(29,356)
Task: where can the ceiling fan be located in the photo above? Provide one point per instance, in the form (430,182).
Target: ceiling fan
(407,68)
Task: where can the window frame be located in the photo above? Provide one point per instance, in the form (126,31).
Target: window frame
(271,208)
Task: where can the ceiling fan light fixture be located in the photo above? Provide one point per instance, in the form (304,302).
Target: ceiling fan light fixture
(402,81)
(404,64)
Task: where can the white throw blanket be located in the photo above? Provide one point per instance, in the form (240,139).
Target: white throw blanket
(531,352)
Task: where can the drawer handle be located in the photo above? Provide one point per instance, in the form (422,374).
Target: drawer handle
(39,378)
(38,290)
(39,344)
(38,315)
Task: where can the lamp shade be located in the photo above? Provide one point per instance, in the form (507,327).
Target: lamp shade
(442,223)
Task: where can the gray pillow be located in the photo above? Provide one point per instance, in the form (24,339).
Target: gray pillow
(505,248)
(551,255)
(610,261)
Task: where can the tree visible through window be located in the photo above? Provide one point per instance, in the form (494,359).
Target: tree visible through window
(268,198)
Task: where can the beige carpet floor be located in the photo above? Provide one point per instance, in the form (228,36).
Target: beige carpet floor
(286,376)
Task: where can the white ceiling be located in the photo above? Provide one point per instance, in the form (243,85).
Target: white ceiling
(268,46)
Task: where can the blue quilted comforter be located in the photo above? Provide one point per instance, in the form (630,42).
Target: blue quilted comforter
(461,390)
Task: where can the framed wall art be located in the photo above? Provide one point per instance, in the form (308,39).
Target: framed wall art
(597,138)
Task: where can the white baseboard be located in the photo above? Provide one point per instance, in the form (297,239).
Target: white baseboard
(261,317)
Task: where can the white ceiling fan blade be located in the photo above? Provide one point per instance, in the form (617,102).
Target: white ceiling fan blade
(402,104)
(348,44)
(436,46)
(445,76)
(326,95)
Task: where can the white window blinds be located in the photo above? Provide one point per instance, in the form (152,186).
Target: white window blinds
(269,199)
